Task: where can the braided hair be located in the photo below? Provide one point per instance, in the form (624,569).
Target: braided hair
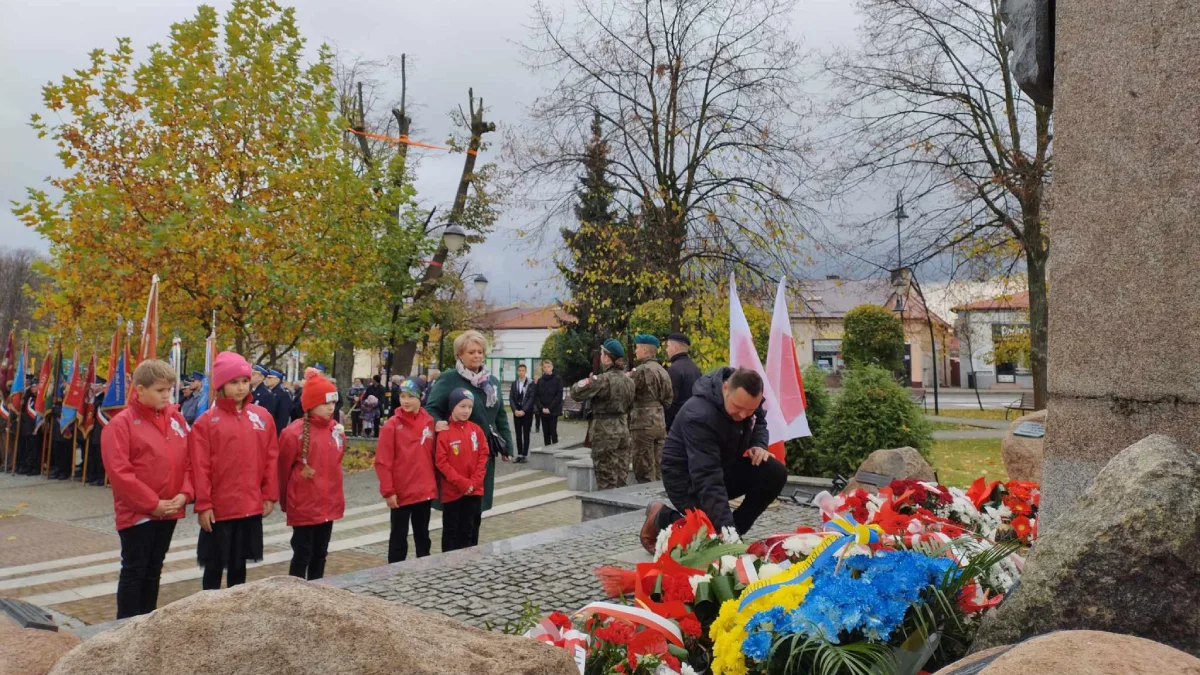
(304,438)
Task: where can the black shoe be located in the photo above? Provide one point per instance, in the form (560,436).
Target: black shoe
(54,475)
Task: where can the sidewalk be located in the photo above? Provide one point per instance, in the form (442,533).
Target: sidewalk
(59,549)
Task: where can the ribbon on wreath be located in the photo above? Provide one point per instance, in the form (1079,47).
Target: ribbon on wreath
(575,642)
(845,530)
(636,616)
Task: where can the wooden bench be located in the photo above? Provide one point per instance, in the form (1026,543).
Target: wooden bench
(572,409)
(1025,403)
(918,397)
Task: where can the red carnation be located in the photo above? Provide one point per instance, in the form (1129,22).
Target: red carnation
(690,626)
(677,587)
(561,620)
(617,633)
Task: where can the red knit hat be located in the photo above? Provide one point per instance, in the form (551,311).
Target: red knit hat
(317,390)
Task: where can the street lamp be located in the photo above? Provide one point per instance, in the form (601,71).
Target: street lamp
(481,283)
(901,216)
(454,238)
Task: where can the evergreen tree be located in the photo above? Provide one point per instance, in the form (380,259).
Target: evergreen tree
(600,261)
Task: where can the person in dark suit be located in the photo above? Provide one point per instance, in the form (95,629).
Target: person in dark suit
(522,398)
(281,401)
(683,371)
(549,402)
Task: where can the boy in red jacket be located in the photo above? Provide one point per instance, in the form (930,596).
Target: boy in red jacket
(146,459)
(234,454)
(310,476)
(407,480)
(461,458)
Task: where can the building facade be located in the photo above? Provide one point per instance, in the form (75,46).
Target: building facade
(818,327)
(983,325)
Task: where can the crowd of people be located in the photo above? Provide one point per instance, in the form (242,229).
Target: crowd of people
(262,444)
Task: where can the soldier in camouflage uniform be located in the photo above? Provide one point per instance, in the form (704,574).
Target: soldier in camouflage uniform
(647,421)
(611,394)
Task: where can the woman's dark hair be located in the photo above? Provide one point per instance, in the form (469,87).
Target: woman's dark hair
(747,380)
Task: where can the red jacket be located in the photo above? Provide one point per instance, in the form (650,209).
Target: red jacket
(234,456)
(404,458)
(461,458)
(320,499)
(145,455)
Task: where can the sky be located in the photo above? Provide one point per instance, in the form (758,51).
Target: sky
(451,45)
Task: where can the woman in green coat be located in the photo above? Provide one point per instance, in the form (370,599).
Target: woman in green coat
(470,349)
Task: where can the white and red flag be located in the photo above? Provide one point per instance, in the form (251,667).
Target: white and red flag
(743,354)
(783,372)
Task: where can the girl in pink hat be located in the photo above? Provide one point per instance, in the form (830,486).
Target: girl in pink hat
(234,454)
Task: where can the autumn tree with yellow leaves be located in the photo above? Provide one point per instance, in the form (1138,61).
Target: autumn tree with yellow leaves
(215,164)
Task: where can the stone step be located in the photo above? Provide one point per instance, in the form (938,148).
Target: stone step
(581,475)
(562,459)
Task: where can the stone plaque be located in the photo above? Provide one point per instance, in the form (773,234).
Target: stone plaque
(1030,430)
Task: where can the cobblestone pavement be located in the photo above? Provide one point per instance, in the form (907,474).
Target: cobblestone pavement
(553,575)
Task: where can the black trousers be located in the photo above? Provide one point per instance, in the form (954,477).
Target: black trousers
(29,454)
(143,549)
(760,485)
(549,429)
(310,547)
(460,523)
(418,514)
(524,425)
(62,453)
(355,423)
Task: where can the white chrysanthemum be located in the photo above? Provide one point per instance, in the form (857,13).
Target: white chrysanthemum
(728,564)
(660,546)
(769,570)
(801,545)
(729,535)
(696,579)
(685,669)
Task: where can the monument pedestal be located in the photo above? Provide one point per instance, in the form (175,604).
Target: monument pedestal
(1125,258)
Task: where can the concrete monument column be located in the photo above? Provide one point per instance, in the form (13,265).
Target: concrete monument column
(1124,274)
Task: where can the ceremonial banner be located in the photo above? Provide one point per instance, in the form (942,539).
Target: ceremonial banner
(743,354)
(783,372)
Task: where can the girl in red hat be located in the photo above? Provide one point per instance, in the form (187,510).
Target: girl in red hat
(461,459)
(234,455)
(407,479)
(310,476)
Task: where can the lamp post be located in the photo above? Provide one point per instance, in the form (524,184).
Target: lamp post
(901,216)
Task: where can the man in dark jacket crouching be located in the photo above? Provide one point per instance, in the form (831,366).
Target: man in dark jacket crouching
(717,450)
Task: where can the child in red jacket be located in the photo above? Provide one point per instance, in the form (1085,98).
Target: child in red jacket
(310,476)
(407,480)
(146,459)
(234,454)
(461,459)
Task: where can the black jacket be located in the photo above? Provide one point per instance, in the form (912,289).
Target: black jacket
(264,397)
(526,402)
(684,373)
(281,407)
(705,441)
(550,394)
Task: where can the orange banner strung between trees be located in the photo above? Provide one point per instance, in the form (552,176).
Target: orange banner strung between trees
(403,139)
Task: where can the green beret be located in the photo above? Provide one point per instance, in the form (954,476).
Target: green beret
(645,339)
(614,348)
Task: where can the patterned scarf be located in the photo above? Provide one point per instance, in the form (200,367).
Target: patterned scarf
(482,380)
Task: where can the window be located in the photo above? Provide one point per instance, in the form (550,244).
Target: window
(827,354)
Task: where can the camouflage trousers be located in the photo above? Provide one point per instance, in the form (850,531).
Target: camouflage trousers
(647,454)
(610,452)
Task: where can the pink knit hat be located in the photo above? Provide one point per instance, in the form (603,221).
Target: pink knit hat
(229,366)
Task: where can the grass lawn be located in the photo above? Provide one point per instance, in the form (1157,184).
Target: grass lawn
(975,413)
(360,455)
(959,463)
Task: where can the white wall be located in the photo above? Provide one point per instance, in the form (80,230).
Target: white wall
(519,343)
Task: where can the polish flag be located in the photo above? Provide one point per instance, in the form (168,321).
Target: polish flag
(743,354)
(783,372)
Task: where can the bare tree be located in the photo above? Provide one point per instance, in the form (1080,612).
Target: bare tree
(928,102)
(17,278)
(703,111)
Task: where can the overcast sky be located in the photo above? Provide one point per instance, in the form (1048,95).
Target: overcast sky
(451,45)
